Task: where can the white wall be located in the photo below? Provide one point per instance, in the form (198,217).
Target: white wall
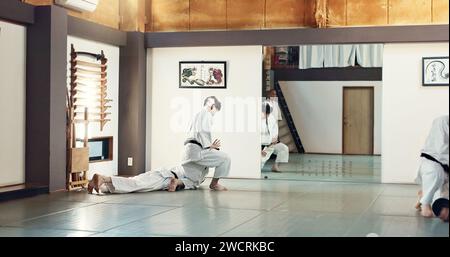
(408,108)
(317,107)
(170,108)
(111,128)
(12,103)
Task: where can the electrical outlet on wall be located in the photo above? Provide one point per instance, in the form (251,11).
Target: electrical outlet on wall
(130,161)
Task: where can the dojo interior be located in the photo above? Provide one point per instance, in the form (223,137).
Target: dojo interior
(134,49)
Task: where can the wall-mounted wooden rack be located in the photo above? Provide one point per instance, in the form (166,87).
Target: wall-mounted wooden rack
(88,85)
(86,103)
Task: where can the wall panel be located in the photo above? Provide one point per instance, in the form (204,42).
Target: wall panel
(440,11)
(247,14)
(208,15)
(365,13)
(337,13)
(170,15)
(403,12)
(285,13)
(310,20)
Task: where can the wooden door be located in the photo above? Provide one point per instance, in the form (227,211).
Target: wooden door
(358,119)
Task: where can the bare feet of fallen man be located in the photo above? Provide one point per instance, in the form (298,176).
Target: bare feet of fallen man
(97,181)
(173,185)
(90,187)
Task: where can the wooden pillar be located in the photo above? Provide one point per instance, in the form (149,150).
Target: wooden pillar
(46,98)
(132,105)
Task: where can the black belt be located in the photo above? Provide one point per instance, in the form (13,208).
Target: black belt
(174,174)
(195,142)
(431,158)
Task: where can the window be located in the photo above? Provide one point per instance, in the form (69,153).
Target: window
(100,149)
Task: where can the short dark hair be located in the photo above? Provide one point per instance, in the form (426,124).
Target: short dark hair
(217,103)
(270,92)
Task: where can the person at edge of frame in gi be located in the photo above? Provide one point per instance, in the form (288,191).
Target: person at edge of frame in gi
(433,172)
(272,100)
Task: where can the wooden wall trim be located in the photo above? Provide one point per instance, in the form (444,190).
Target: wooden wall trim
(92,31)
(384,34)
(16,11)
(330,74)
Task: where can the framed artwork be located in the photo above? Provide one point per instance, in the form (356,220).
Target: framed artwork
(203,75)
(435,71)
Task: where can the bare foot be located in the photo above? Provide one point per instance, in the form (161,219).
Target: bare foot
(418,205)
(97,181)
(90,187)
(218,187)
(276,168)
(173,185)
(427,212)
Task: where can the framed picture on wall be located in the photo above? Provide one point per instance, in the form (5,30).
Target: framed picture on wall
(203,74)
(435,71)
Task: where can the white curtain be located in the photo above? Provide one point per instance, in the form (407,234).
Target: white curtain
(311,56)
(370,55)
(339,55)
(327,56)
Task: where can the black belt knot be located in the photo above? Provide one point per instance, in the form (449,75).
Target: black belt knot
(431,158)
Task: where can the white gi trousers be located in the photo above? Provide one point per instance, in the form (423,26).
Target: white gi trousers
(145,182)
(434,181)
(197,161)
(280,149)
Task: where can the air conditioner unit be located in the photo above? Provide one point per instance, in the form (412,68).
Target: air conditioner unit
(79,5)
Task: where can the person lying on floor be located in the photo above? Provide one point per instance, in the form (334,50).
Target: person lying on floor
(172,179)
(433,171)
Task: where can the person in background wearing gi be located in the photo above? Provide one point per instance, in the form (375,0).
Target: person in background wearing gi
(201,153)
(433,171)
(269,139)
(272,99)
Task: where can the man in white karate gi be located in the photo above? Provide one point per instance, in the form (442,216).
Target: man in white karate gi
(269,139)
(172,179)
(433,171)
(201,153)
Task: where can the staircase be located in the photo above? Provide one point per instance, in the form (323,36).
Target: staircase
(285,135)
(287,130)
